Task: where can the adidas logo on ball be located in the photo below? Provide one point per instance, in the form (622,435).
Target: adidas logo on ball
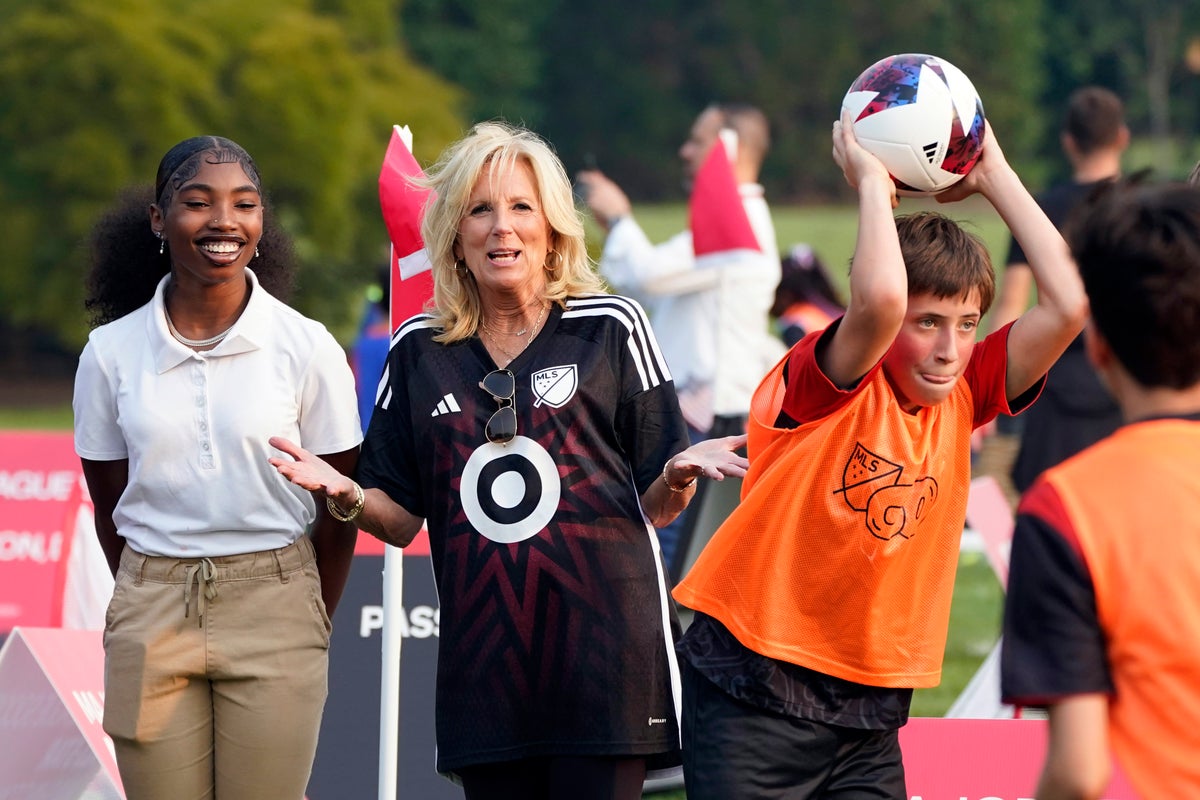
(921,116)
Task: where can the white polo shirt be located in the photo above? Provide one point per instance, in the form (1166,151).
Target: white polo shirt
(195,426)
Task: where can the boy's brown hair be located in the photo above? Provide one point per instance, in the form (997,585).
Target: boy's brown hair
(944,260)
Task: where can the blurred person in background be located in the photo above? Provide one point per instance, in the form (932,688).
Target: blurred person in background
(711,316)
(805,300)
(1075,409)
(369,351)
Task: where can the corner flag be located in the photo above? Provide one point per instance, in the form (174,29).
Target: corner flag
(403,204)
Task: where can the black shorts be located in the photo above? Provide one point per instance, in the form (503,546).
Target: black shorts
(556,778)
(734,750)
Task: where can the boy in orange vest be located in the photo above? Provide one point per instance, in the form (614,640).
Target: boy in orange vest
(1102,622)
(824,599)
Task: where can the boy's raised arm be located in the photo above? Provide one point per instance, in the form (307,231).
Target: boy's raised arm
(878,282)
(1040,335)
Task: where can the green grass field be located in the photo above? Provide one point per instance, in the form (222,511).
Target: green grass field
(36,418)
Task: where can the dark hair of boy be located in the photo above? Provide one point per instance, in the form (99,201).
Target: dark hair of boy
(943,259)
(1138,249)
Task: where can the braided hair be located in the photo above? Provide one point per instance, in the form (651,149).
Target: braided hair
(126,259)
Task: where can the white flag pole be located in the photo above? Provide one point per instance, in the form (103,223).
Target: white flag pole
(389,688)
(389,682)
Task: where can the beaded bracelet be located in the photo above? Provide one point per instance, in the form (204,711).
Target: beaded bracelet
(360,499)
(680,489)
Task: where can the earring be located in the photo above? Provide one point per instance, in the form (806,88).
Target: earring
(162,243)
(256,251)
(459,265)
(550,267)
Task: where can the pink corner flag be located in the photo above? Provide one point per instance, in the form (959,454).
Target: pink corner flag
(715,212)
(403,204)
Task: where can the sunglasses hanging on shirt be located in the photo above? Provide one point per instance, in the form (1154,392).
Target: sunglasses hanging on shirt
(501,384)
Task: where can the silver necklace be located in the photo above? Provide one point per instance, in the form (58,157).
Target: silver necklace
(536,325)
(193,342)
(521,332)
(495,332)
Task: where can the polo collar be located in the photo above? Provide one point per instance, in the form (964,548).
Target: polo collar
(250,332)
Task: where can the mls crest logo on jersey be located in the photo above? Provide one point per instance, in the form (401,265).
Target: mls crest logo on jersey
(555,386)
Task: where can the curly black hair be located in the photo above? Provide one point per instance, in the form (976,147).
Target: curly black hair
(126,264)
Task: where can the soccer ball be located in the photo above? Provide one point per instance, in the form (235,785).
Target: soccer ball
(920,116)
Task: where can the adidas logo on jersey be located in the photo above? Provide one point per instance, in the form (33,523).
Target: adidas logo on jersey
(447,405)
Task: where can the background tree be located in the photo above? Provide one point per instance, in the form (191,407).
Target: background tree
(492,46)
(629,97)
(798,64)
(92,94)
(1139,49)
(624,90)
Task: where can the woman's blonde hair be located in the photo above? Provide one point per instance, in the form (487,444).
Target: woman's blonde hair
(456,304)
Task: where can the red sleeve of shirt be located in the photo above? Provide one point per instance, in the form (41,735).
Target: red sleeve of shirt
(810,395)
(987,374)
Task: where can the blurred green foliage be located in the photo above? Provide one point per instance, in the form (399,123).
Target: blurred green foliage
(670,58)
(91,95)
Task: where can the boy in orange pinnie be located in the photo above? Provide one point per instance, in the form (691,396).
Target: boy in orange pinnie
(1101,616)
(823,600)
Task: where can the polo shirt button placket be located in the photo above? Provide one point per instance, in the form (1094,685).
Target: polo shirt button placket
(204,440)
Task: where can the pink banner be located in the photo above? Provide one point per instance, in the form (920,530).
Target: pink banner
(981,759)
(716,214)
(39,479)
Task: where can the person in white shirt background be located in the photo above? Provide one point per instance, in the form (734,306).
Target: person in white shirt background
(711,316)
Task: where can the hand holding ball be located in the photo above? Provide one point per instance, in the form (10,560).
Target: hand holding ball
(921,116)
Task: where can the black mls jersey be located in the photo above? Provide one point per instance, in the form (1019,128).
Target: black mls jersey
(556,623)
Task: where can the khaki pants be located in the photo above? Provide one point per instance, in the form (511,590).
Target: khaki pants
(215,674)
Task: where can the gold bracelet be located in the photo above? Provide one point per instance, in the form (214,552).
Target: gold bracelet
(680,489)
(360,499)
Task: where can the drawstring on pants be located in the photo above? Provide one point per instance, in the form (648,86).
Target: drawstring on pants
(207,590)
